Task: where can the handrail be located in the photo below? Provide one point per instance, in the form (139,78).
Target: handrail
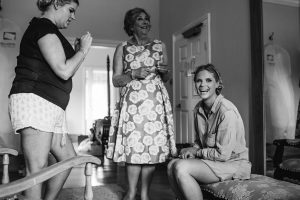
(45,174)
(8,151)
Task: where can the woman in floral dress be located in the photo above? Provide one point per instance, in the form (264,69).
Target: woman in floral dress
(141,133)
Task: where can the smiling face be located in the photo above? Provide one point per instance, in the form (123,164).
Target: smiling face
(206,86)
(142,25)
(65,14)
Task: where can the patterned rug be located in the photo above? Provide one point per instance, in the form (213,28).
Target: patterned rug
(106,192)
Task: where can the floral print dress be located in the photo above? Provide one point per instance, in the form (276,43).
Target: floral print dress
(142,130)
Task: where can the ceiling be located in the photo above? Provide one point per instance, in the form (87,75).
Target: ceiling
(294,3)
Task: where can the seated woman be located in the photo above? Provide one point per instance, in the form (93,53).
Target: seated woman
(219,152)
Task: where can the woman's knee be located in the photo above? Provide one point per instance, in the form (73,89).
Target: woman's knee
(36,164)
(181,168)
(62,152)
(170,166)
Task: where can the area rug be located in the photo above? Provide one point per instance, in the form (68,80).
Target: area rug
(105,192)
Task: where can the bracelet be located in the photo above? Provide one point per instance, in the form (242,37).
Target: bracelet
(199,153)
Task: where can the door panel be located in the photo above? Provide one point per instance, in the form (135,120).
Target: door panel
(187,54)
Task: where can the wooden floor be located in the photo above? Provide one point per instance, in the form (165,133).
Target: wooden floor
(110,173)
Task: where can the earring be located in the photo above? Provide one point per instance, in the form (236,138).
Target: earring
(56,4)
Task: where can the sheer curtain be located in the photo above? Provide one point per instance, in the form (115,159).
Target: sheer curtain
(96,95)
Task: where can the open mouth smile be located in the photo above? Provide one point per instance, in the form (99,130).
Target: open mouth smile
(203,91)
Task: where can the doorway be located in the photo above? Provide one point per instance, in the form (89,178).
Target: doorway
(281,76)
(89,97)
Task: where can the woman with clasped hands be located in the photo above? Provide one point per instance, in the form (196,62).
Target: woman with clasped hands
(219,152)
(142,133)
(41,91)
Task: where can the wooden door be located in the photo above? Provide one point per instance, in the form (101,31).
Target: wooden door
(188,53)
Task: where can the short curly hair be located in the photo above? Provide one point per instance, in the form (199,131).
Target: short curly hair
(212,69)
(130,18)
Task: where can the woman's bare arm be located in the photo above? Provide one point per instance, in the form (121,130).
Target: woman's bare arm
(54,54)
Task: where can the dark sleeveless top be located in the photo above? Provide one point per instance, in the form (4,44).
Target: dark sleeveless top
(33,73)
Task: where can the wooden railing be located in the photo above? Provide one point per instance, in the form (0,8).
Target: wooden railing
(5,152)
(25,183)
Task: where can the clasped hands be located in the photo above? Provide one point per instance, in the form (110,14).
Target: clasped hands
(140,73)
(190,152)
(143,72)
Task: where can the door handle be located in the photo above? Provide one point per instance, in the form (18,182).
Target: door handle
(178,106)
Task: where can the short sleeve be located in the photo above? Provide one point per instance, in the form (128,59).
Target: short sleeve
(44,27)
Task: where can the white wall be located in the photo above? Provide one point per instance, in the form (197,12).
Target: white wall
(8,51)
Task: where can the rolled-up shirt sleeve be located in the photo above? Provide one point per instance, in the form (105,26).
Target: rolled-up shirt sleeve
(225,140)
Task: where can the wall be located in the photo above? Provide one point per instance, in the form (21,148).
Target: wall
(8,51)
(230,37)
(103,18)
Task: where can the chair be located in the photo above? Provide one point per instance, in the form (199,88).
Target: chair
(287,167)
(8,189)
(5,153)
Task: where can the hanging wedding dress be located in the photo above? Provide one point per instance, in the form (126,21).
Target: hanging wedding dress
(280,110)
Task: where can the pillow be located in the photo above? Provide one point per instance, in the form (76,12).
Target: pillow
(257,187)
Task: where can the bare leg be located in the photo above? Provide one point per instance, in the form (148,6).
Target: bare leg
(133,173)
(147,175)
(188,172)
(36,146)
(172,179)
(55,184)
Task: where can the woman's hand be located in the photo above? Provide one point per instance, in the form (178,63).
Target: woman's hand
(140,73)
(162,69)
(189,152)
(84,43)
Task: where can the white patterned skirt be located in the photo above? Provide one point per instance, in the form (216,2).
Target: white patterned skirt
(30,110)
(142,128)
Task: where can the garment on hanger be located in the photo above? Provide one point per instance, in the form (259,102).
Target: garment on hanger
(279,104)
